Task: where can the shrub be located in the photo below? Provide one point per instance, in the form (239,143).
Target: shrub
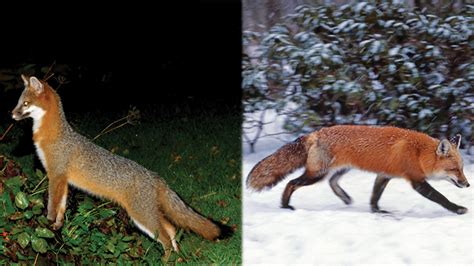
(364,63)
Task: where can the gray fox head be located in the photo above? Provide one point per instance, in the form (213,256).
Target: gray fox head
(32,100)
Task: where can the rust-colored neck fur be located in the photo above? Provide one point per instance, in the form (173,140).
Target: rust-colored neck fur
(53,123)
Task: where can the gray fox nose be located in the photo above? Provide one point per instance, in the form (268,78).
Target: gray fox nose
(16,114)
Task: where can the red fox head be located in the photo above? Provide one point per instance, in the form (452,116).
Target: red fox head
(449,164)
(29,102)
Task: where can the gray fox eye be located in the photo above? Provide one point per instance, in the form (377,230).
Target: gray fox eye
(25,103)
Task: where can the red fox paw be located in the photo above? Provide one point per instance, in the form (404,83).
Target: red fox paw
(461,210)
(288,207)
(375,209)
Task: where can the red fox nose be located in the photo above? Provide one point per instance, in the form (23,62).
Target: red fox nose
(467,184)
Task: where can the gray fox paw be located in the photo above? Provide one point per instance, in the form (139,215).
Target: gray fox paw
(51,217)
(56,226)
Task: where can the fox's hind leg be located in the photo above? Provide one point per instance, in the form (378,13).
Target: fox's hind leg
(316,169)
(304,180)
(337,189)
(170,230)
(379,186)
(157,227)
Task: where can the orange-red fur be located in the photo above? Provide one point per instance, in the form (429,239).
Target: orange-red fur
(388,151)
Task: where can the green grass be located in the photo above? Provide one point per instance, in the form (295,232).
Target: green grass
(197,152)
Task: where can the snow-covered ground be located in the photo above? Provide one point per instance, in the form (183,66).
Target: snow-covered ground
(322,230)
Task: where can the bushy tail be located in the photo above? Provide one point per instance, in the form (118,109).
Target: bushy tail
(274,168)
(185,217)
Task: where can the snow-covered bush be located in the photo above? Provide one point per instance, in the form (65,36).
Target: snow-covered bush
(365,63)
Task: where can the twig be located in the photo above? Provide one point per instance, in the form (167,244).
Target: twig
(111,124)
(39,192)
(46,77)
(105,132)
(131,118)
(259,126)
(96,208)
(36,259)
(40,182)
(207,195)
(6,131)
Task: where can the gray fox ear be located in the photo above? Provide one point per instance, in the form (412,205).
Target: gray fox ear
(36,85)
(443,147)
(25,80)
(456,140)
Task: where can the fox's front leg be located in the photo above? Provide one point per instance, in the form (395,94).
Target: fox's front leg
(57,191)
(430,193)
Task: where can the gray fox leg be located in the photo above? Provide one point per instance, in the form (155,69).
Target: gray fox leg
(165,239)
(170,230)
(57,196)
(157,227)
(304,180)
(379,186)
(430,193)
(337,189)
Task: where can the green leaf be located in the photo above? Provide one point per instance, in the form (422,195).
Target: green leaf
(29,66)
(110,247)
(6,204)
(24,239)
(43,220)
(121,246)
(28,214)
(127,238)
(37,209)
(17,230)
(134,252)
(37,201)
(44,232)
(106,213)
(21,201)
(3,221)
(39,244)
(39,173)
(14,184)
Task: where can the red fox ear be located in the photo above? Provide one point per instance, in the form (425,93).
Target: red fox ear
(456,140)
(36,85)
(443,147)
(25,80)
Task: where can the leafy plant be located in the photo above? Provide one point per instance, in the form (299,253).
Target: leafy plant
(367,62)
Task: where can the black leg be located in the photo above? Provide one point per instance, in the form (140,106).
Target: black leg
(379,186)
(303,180)
(337,189)
(430,193)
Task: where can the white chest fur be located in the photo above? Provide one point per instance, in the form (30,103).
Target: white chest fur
(37,113)
(41,156)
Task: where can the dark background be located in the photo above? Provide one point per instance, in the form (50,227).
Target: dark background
(121,55)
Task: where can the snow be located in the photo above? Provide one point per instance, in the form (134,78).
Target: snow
(322,230)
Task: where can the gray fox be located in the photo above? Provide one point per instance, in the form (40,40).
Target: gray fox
(70,158)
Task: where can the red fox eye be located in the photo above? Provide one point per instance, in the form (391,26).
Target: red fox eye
(25,103)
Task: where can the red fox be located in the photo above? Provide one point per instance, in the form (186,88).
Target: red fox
(70,158)
(388,151)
